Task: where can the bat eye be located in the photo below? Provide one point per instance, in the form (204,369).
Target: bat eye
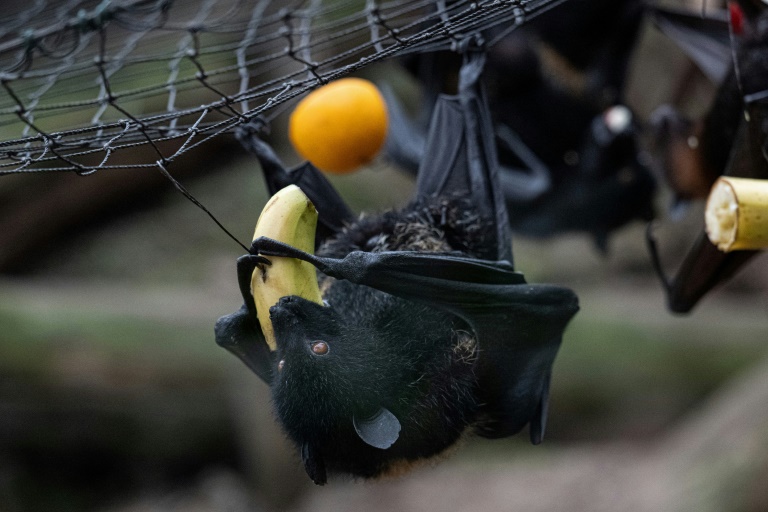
(280,365)
(319,348)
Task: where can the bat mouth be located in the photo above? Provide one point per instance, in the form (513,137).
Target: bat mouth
(294,318)
(285,313)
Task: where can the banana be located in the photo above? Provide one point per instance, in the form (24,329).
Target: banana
(736,215)
(290,217)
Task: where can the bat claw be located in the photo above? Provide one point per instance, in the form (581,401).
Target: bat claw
(262,263)
(252,261)
(259,261)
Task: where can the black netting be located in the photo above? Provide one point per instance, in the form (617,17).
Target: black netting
(83,81)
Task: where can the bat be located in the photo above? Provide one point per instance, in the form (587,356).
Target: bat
(566,163)
(731,141)
(596,38)
(429,332)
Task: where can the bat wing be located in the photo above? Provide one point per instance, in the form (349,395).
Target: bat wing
(242,337)
(524,181)
(405,137)
(240,332)
(705,266)
(705,39)
(460,154)
(333,212)
(526,184)
(518,326)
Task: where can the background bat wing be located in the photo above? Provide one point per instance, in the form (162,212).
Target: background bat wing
(705,39)
(460,154)
(240,332)
(405,136)
(705,266)
(521,185)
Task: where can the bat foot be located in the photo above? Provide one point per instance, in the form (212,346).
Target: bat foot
(255,261)
(271,247)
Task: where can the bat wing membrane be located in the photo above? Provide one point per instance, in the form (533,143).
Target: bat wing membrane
(705,39)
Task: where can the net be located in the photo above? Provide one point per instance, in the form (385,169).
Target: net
(94,85)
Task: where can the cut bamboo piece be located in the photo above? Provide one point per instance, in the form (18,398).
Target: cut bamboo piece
(736,215)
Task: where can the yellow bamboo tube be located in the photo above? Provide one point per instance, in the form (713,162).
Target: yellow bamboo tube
(736,215)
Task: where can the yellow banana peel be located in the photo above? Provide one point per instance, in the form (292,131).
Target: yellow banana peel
(289,217)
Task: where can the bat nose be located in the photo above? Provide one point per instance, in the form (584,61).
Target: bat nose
(285,321)
(284,311)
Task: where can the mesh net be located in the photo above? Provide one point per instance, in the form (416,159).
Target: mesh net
(84,84)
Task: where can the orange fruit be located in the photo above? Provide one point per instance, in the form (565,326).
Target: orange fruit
(340,126)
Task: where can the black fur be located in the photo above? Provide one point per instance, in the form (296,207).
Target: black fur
(384,351)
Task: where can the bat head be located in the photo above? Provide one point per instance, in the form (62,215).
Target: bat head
(331,378)
(362,399)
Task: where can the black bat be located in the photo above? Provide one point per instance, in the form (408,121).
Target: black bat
(567,164)
(428,332)
(732,140)
(596,37)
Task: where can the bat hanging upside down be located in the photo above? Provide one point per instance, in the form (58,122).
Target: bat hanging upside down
(426,331)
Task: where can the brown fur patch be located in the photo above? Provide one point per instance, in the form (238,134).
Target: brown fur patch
(402,467)
(687,173)
(325,284)
(414,236)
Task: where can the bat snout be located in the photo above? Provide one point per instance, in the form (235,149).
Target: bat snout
(295,305)
(294,316)
(285,309)
(285,315)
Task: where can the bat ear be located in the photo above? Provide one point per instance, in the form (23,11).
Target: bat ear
(380,430)
(313,464)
